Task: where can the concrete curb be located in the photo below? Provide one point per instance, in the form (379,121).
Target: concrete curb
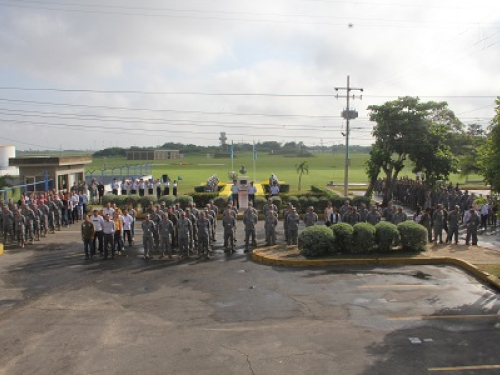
(466,266)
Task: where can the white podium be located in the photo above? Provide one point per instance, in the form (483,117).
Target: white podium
(243,183)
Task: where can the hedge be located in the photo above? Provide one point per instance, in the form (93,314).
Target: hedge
(386,236)
(184,200)
(293,200)
(221,202)
(316,241)
(259,203)
(202,199)
(168,199)
(363,240)
(343,234)
(413,236)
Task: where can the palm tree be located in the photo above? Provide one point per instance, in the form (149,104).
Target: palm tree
(301,169)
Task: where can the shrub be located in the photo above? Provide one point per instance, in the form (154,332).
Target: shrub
(343,234)
(359,199)
(168,199)
(259,203)
(312,201)
(303,203)
(221,202)
(277,201)
(338,201)
(293,200)
(133,199)
(413,236)
(322,204)
(199,189)
(316,241)
(363,240)
(146,200)
(201,199)
(184,200)
(386,236)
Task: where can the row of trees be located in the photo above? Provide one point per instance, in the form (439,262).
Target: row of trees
(429,137)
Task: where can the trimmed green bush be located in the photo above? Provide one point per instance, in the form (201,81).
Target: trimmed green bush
(338,201)
(386,236)
(146,200)
(184,200)
(259,203)
(313,201)
(316,241)
(358,200)
(199,189)
(413,236)
(343,234)
(322,204)
(221,202)
(363,240)
(168,199)
(303,203)
(293,200)
(277,201)
(201,199)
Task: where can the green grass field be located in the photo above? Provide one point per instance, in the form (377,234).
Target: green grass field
(195,169)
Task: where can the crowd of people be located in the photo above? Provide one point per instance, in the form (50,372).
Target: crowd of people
(36,214)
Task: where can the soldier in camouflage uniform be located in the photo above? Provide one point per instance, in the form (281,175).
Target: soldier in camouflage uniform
(36,223)
(250,219)
(20,225)
(194,239)
(148,229)
(166,231)
(438,220)
(311,218)
(204,229)
(293,220)
(156,218)
(29,219)
(229,225)
(185,235)
(271,221)
(8,226)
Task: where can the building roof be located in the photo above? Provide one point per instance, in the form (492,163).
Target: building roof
(46,160)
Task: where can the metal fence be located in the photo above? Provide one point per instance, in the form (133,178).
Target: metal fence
(17,190)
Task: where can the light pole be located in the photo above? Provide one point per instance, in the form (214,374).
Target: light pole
(347,114)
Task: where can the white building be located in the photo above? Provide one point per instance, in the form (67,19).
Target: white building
(7,152)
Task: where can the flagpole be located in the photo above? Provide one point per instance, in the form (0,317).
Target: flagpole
(232,156)
(253,158)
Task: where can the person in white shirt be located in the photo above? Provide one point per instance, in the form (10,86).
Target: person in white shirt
(234,194)
(484,215)
(128,220)
(134,187)
(274,189)
(108,229)
(108,210)
(251,193)
(97,220)
(115,186)
(142,186)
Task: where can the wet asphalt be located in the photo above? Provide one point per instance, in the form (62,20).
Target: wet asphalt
(60,314)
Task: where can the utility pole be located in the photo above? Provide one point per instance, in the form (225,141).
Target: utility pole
(347,114)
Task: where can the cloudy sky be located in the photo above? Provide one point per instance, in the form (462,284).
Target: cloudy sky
(82,75)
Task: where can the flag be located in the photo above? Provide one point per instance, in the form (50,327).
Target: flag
(179,178)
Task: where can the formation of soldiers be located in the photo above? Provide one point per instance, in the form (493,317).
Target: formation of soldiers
(35,215)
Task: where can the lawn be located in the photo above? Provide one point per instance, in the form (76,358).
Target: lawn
(195,169)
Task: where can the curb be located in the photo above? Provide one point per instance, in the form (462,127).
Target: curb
(1,249)
(466,266)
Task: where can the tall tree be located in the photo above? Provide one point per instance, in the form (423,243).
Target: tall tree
(301,169)
(489,153)
(407,129)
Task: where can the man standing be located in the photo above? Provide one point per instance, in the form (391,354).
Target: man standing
(128,220)
(399,216)
(373,217)
(203,225)
(115,185)
(270,228)
(148,228)
(97,220)
(274,189)
(166,232)
(229,225)
(293,221)
(184,234)
(234,194)
(453,222)
(438,220)
(251,193)
(100,191)
(473,222)
(88,237)
(250,220)
(311,218)
(108,229)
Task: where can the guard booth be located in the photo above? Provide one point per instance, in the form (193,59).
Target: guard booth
(243,184)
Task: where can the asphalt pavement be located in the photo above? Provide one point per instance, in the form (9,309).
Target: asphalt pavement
(60,314)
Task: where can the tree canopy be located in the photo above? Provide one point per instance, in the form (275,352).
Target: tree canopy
(489,153)
(408,130)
